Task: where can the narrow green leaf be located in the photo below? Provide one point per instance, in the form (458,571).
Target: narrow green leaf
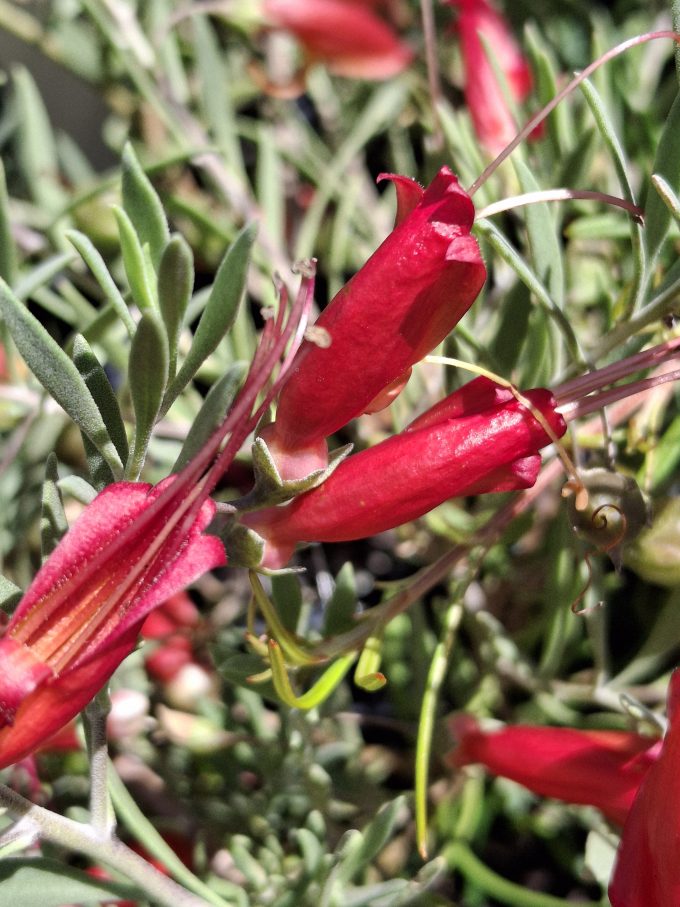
(58,375)
(211,414)
(287,597)
(143,206)
(219,313)
(546,251)
(667,166)
(43,882)
(36,149)
(53,522)
(78,489)
(374,837)
(8,251)
(216,102)
(147,377)
(102,393)
(42,274)
(667,195)
(528,277)
(342,604)
(611,140)
(175,283)
(97,265)
(270,184)
(140,275)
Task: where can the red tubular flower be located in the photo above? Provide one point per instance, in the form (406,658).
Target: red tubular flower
(132,548)
(403,302)
(348,38)
(595,768)
(480,440)
(647,871)
(491,117)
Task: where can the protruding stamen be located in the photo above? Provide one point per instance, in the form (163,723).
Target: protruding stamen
(558,195)
(551,105)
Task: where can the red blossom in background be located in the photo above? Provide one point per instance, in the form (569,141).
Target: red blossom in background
(404,301)
(632,779)
(593,768)
(479,440)
(647,871)
(348,37)
(491,116)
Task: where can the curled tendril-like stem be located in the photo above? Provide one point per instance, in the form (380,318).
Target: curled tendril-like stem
(584,612)
(599,522)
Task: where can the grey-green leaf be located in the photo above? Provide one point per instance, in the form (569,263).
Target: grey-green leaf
(546,251)
(143,206)
(8,252)
(102,393)
(147,377)
(84,246)
(211,414)
(175,283)
(58,375)
(140,273)
(219,313)
(53,522)
(42,882)
(667,166)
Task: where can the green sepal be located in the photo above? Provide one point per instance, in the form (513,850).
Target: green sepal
(245,548)
(270,489)
(175,284)
(143,206)
(147,377)
(138,268)
(211,414)
(53,522)
(57,374)
(219,313)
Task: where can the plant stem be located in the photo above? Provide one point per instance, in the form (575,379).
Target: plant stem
(101,813)
(85,839)
(459,856)
(435,678)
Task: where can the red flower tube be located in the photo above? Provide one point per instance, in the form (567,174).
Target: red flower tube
(480,440)
(595,768)
(132,548)
(404,301)
(488,108)
(348,38)
(647,871)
